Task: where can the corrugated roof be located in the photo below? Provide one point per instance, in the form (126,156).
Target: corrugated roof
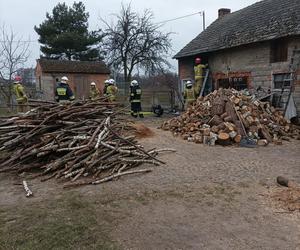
(265,20)
(64,66)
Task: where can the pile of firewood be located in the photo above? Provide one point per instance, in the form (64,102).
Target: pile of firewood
(87,140)
(226,116)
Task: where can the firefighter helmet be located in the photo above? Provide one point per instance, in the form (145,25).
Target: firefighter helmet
(198,60)
(64,79)
(111,81)
(93,84)
(188,84)
(18,79)
(134,83)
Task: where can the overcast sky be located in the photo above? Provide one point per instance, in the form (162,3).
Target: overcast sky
(22,15)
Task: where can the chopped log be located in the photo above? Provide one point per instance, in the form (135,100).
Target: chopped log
(224,115)
(215,120)
(223,136)
(218,106)
(27,190)
(230,126)
(238,138)
(262,142)
(215,129)
(228,119)
(230,110)
(266,133)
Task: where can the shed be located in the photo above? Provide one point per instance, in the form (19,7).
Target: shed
(80,73)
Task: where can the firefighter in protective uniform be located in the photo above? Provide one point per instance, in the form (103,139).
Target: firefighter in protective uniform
(198,69)
(21,97)
(189,95)
(94,92)
(63,92)
(135,99)
(106,83)
(111,90)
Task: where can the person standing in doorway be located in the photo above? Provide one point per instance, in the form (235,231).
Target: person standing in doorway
(198,68)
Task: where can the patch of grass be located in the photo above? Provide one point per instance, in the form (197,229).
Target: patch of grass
(68,223)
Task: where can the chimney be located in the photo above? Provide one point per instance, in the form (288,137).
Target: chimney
(222,12)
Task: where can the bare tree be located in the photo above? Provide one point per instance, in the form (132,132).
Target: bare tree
(14,53)
(135,42)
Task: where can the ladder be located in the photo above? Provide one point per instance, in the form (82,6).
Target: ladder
(204,82)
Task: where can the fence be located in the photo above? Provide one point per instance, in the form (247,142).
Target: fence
(165,98)
(8,102)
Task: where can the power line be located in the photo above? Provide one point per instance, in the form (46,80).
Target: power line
(181,17)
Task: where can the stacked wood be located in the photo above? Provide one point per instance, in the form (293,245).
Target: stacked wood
(87,140)
(232,115)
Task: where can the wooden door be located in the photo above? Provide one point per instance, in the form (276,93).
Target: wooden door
(81,87)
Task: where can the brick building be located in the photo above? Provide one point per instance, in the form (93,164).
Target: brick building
(255,46)
(80,74)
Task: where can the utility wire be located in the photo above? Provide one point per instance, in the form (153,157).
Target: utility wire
(181,17)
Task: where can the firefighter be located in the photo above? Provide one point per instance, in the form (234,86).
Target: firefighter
(94,91)
(63,92)
(111,90)
(189,95)
(135,99)
(21,97)
(106,83)
(198,68)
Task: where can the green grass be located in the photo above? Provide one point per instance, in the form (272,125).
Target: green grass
(68,223)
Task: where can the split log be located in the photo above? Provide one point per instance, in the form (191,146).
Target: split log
(223,136)
(266,133)
(27,190)
(238,138)
(218,106)
(215,120)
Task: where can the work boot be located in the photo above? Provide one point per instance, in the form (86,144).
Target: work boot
(141,115)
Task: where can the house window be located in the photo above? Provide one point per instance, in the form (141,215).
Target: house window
(237,83)
(281,87)
(281,81)
(279,51)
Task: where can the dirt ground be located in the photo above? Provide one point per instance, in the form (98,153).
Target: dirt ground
(202,198)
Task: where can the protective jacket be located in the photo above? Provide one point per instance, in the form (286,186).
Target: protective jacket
(111,92)
(94,93)
(199,70)
(63,93)
(135,94)
(189,95)
(20,93)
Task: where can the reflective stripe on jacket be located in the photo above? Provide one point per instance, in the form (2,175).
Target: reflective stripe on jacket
(189,94)
(63,92)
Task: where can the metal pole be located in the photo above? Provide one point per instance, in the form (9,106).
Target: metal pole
(203,15)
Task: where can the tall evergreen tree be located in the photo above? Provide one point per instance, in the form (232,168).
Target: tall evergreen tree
(65,35)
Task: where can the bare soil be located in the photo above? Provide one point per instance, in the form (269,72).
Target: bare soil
(202,198)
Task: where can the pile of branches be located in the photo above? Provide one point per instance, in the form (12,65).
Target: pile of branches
(227,116)
(83,140)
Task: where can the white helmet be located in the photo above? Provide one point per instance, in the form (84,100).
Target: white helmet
(93,84)
(111,81)
(64,79)
(134,83)
(189,84)
(106,81)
